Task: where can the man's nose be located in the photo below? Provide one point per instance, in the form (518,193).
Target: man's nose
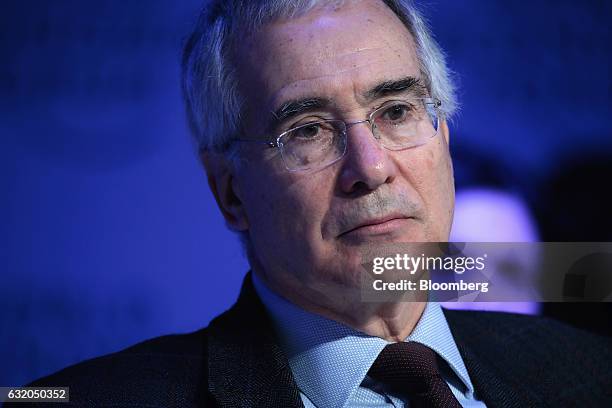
(367,164)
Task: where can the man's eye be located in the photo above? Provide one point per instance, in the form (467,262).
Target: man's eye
(396,113)
(308,131)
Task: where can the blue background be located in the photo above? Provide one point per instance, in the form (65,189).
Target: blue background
(109,233)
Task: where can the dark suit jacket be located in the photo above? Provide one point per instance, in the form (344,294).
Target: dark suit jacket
(513,361)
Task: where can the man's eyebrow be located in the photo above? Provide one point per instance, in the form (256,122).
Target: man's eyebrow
(296,107)
(396,86)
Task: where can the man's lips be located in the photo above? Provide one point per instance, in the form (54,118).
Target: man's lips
(378,226)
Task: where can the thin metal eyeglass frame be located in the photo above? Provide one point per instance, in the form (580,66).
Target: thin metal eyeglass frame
(275,143)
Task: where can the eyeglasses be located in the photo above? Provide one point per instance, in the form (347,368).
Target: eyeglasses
(397,125)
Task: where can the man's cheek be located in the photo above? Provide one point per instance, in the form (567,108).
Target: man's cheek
(435,155)
(310,196)
(293,217)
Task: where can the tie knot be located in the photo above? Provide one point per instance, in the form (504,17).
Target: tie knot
(408,360)
(411,369)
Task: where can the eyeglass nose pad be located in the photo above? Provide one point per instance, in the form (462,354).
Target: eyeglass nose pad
(369,122)
(374,132)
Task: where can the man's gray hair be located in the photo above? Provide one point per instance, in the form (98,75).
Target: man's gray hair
(209,77)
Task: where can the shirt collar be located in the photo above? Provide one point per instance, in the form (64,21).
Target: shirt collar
(330,360)
(433,331)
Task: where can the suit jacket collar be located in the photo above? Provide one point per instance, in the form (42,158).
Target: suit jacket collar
(246,366)
(495,380)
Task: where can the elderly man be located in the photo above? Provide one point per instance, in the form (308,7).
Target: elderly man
(323,129)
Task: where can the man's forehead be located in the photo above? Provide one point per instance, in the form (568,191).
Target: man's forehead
(347,49)
(358,72)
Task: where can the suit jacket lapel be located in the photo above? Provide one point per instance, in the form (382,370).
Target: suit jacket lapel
(246,366)
(495,386)
(490,386)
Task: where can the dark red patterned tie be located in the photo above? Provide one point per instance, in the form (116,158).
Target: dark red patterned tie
(410,369)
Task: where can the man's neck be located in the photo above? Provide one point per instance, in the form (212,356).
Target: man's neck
(392,321)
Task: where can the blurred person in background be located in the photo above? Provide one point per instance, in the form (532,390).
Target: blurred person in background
(574,205)
(490,207)
(490,215)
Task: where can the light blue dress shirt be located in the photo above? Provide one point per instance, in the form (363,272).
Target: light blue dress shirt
(330,361)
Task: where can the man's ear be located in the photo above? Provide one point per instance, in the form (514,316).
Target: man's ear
(444,130)
(222,183)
